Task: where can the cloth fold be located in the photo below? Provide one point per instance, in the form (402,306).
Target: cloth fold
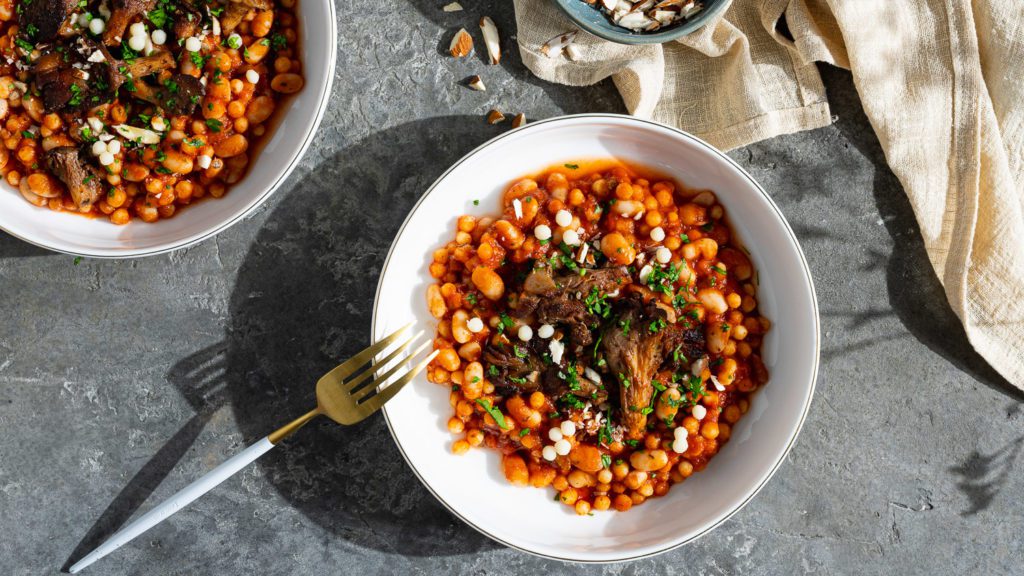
(940,82)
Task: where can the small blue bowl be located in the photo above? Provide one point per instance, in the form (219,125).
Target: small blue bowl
(593,20)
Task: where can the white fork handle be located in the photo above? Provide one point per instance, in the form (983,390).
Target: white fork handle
(183,498)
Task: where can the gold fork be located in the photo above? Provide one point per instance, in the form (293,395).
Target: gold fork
(342,395)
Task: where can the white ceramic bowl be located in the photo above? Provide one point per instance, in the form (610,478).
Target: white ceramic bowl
(472,486)
(294,131)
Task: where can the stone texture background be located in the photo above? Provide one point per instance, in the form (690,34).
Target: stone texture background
(122,381)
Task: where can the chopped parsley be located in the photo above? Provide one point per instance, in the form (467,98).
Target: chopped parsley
(624,324)
(494,412)
(662,279)
(278,41)
(624,380)
(572,401)
(27,134)
(24,44)
(471,298)
(492,370)
(213,124)
(78,260)
(505,323)
(524,432)
(158,17)
(476,202)
(597,303)
(606,461)
(572,166)
(656,325)
(684,238)
(520,353)
(570,376)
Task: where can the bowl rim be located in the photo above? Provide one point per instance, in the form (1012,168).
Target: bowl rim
(630,39)
(193,239)
(807,275)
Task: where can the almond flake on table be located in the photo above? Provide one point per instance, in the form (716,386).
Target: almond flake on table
(462,44)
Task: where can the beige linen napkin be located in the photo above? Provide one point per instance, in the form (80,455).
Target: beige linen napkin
(942,82)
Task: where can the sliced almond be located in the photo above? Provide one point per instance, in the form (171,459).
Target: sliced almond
(554,46)
(610,5)
(453,7)
(491,39)
(476,83)
(573,51)
(495,117)
(519,120)
(141,135)
(462,44)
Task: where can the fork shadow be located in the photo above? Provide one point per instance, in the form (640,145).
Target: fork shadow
(302,303)
(200,379)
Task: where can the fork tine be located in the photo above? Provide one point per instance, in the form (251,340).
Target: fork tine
(350,386)
(346,369)
(362,393)
(374,404)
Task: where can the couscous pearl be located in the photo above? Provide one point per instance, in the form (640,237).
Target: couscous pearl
(474,324)
(114,146)
(680,432)
(234,41)
(570,237)
(193,44)
(546,331)
(663,255)
(98,148)
(549,453)
(555,434)
(137,43)
(658,234)
(159,37)
(679,445)
(563,218)
(137,29)
(568,428)
(699,412)
(563,447)
(254,78)
(525,333)
(204,163)
(542,232)
(97,26)
(106,159)
(83,20)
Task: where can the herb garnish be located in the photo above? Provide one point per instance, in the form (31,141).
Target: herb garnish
(494,412)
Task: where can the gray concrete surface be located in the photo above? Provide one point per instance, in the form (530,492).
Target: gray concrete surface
(121,381)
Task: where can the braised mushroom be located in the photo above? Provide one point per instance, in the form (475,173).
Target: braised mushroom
(84,181)
(46,20)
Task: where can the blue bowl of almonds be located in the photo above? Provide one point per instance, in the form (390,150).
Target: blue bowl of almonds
(642,21)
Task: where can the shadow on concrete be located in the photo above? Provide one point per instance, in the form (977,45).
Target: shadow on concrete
(302,304)
(914,291)
(983,476)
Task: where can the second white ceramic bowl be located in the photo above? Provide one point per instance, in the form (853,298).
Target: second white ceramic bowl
(472,486)
(278,156)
